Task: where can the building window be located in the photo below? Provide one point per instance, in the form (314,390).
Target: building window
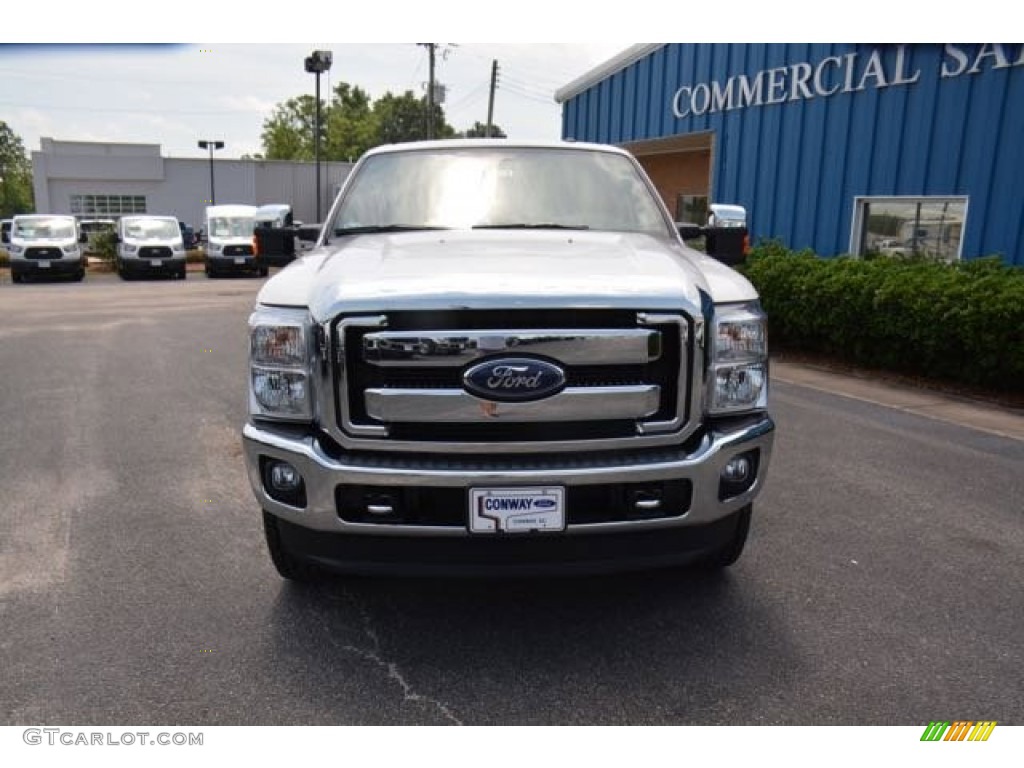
(107,205)
(692,209)
(926,227)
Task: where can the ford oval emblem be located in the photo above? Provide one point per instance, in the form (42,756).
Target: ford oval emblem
(513,379)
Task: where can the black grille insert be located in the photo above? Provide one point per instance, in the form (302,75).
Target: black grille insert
(154,252)
(361,376)
(43,253)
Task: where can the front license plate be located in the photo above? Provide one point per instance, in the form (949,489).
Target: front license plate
(44,265)
(156,263)
(240,260)
(516,510)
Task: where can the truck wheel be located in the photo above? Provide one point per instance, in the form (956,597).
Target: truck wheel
(15,276)
(730,552)
(287,566)
(79,276)
(264,271)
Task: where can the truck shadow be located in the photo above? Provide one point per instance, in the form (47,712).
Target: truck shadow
(659,647)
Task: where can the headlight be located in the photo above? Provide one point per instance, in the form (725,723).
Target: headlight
(130,248)
(15,249)
(739,359)
(278,345)
(214,247)
(281,393)
(70,250)
(279,361)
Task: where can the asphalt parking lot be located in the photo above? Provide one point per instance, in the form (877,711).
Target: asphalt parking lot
(881,584)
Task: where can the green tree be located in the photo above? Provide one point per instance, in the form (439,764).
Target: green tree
(351,124)
(16,194)
(479,131)
(288,132)
(404,118)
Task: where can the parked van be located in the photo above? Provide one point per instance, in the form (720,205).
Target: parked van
(45,244)
(229,240)
(150,245)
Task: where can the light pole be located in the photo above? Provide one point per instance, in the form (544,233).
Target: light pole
(317,62)
(211,145)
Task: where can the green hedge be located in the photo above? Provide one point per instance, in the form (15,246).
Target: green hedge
(959,322)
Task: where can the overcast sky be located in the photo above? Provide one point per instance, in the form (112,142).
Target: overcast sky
(174,95)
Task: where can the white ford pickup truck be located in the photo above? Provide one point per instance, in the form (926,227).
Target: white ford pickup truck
(501,358)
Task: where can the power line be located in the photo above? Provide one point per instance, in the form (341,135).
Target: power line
(532,97)
(165,111)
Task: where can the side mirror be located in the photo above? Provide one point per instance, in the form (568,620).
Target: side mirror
(83,238)
(727,216)
(309,233)
(117,237)
(5,238)
(689,231)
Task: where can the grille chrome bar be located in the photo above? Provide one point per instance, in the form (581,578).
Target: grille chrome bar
(457,406)
(628,346)
(348,376)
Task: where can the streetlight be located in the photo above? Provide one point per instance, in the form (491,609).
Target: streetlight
(317,62)
(211,145)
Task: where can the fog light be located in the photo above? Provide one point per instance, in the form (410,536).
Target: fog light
(284,477)
(282,482)
(737,470)
(738,475)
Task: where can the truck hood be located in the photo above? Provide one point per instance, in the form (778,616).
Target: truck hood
(488,269)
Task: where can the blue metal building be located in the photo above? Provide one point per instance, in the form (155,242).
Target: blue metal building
(840,148)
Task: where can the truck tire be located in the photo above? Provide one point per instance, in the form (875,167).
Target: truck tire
(730,552)
(287,566)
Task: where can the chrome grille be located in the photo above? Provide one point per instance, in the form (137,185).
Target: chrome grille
(400,376)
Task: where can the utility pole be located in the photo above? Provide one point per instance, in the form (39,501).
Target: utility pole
(431,47)
(490,100)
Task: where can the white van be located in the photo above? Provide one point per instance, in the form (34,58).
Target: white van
(45,244)
(150,245)
(229,240)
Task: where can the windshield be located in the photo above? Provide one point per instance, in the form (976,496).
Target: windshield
(151,229)
(43,229)
(513,187)
(231,226)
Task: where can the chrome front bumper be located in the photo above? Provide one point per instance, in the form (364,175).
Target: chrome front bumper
(323,472)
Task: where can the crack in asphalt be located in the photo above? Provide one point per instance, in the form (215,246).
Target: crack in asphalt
(394,672)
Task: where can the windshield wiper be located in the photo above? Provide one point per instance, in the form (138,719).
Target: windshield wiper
(371,229)
(523,225)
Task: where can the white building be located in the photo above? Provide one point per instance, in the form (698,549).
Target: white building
(105,180)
